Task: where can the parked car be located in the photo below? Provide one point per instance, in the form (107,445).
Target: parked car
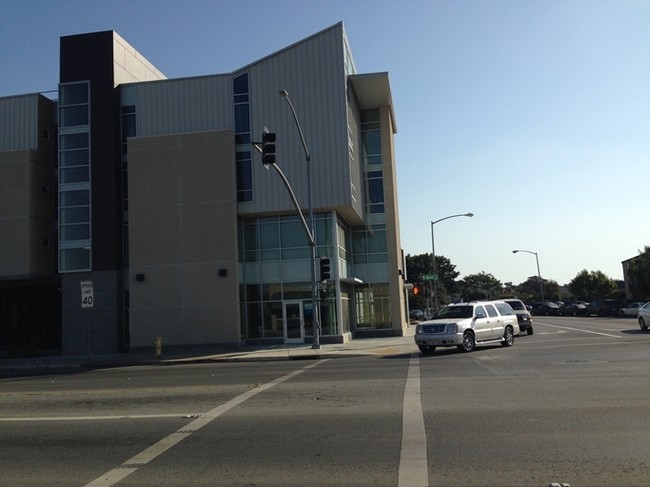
(643,315)
(630,309)
(416,314)
(545,309)
(523,315)
(466,325)
(572,309)
(603,307)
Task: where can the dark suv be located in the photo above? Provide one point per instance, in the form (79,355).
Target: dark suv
(603,307)
(523,316)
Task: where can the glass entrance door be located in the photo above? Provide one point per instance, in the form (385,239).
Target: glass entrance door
(294,322)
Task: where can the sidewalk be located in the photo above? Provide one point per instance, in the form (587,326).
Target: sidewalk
(359,347)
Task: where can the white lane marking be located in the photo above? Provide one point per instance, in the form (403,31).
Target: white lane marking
(413,469)
(584,331)
(128,467)
(102,418)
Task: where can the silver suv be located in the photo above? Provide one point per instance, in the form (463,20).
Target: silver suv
(466,325)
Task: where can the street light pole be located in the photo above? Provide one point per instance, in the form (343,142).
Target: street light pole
(433,258)
(311,231)
(539,274)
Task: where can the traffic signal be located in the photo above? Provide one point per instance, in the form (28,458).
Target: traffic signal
(268,147)
(324,269)
(416,289)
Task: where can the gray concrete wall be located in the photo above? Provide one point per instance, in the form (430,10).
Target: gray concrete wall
(182,236)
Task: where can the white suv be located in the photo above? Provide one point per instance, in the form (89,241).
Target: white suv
(465,325)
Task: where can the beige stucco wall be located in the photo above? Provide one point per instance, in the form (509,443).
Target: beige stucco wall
(26,215)
(182,232)
(394,244)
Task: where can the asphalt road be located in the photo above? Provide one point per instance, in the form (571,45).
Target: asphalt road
(567,404)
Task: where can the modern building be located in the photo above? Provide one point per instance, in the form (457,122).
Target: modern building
(635,280)
(150,195)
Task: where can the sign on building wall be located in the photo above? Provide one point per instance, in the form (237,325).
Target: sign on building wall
(87,298)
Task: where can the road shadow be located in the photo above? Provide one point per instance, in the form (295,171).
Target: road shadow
(637,331)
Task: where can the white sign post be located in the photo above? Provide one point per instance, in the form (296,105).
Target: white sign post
(87,302)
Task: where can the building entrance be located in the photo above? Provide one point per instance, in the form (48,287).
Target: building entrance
(294,322)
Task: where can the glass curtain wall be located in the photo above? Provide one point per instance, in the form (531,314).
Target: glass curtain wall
(74,178)
(369,245)
(274,254)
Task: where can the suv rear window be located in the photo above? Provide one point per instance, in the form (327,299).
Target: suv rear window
(504,308)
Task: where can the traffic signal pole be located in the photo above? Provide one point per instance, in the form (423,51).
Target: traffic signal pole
(312,233)
(267,148)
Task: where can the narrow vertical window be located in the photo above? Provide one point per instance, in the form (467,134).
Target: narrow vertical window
(371,154)
(241,106)
(75,243)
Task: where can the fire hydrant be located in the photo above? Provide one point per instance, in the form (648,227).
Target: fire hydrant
(157,345)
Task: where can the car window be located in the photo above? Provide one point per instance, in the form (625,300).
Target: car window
(516,304)
(491,311)
(505,308)
(479,312)
(455,312)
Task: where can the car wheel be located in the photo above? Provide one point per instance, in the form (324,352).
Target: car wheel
(621,314)
(427,349)
(642,323)
(530,330)
(469,344)
(508,337)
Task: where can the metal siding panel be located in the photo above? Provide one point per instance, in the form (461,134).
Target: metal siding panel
(185,105)
(313,74)
(19,122)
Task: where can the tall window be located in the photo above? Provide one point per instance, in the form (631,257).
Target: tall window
(128,129)
(241,104)
(74,178)
(266,244)
(372,164)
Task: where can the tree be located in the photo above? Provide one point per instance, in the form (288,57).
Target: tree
(528,290)
(591,285)
(639,275)
(419,265)
(480,286)
(551,289)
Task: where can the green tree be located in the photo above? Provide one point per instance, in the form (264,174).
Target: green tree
(551,290)
(639,275)
(528,290)
(480,286)
(592,285)
(419,265)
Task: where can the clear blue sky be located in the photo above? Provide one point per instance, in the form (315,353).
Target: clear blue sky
(534,115)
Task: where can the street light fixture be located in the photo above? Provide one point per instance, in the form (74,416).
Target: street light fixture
(433,258)
(539,274)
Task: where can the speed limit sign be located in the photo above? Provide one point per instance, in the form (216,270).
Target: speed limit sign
(87,298)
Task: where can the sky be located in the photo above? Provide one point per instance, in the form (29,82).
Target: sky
(534,115)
